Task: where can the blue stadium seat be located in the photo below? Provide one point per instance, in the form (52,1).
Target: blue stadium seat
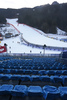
(46,67)
(28,67)
(14,80)
(51,72)
(35,78)
(1,70)
(64,67)
(6,71)
(63,92)
(35,72)
(53,67)
(20,71)
(5,76)
(24,67)
(58,72)
(41,68)
(42,72)
(28,71)
(64,78)
(15,77)
(12,67)
(17,67)
(45,78)
(56,79)
(35,91)
(6,89)
(35,67)
(50,93)
(6,66)
(65,72)
(25,78)
(13,71)
(19,90)
(1,76)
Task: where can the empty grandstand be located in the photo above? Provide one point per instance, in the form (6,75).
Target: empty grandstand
(32,77)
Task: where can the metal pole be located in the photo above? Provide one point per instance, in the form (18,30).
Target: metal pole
(44,48)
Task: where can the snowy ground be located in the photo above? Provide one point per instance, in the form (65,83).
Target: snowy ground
(57,37)
(31,35)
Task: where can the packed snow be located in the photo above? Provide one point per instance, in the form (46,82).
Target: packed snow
(31,35)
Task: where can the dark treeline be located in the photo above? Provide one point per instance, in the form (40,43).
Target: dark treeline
(45,18)
(7,13)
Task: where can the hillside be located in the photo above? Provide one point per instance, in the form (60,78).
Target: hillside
(45,17)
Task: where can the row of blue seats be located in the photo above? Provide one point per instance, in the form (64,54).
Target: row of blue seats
(35,78)
(47,92)
(35,72)
(5,58)
(42,67)
(31,64)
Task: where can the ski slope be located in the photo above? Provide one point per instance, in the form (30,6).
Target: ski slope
(31,35)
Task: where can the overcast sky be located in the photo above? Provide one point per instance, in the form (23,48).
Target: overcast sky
(26,3)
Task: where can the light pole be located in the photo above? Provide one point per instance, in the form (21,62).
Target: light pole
(5,46)
(44,48)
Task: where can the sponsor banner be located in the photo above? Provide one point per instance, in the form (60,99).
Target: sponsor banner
(2,49)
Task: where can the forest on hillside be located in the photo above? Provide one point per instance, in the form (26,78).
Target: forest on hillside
(45,17)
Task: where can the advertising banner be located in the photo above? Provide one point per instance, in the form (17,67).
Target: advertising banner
(2,49)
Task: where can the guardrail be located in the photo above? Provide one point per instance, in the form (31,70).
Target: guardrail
(30,55)
(42,46)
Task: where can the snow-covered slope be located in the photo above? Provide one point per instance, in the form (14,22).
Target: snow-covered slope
(31,35)
(15,46)
(34,37)
(60,32)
